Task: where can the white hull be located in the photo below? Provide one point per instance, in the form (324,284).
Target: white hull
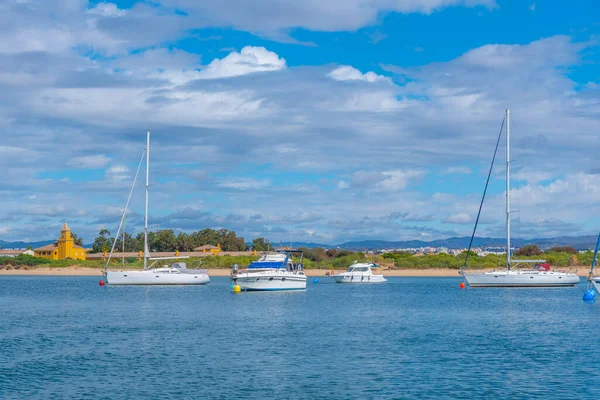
(596,286)
(270,280)
(358,278)
(156,277)
(521,279)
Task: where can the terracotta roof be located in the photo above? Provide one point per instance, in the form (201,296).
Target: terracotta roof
(11,252)
(48,247)
(205,247)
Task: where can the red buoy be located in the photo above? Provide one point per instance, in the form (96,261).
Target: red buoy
(101,283)
(462,285)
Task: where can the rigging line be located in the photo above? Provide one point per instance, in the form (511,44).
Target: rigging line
(594,260)
(484,192)
(124,212)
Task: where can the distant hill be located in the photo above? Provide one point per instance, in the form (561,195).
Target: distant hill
(579,242)
(24,245)
(35,245)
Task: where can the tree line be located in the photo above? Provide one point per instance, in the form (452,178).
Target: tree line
(165,240)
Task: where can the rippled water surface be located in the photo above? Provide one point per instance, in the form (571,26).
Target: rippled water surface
(67,337)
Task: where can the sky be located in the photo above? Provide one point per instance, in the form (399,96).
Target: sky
(316,121)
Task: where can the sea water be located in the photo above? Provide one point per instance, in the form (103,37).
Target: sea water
(69,338)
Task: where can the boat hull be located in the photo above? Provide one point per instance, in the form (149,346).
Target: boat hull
(521,279)
(358,279)
(155,278)
(596,286)
(269,281)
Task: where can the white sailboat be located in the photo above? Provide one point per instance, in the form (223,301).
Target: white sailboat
(509,277)
(175,274)
(593,280)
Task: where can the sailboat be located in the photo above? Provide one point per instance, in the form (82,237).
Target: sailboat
(593,281)
(539,276)
(174,274)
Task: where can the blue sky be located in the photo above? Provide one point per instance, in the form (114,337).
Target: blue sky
(327,121)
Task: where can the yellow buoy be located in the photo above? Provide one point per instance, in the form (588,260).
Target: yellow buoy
(237,289)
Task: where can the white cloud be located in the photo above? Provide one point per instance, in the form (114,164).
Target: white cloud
(348,73)
(107,10)
(117,173)
(329,16)
(387,180)
(251,59)
(532,176)
(244,183)
(93,161)
(343,185)
(460,170)
(460,218)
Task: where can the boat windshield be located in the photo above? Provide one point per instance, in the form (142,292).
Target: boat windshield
(358,269)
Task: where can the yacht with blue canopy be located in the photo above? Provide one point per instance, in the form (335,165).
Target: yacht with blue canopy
(272,271)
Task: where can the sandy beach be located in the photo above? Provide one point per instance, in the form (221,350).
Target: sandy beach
(85,271)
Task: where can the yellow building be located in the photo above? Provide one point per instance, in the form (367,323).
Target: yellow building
(63,248)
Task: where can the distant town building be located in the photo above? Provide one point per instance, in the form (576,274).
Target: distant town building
(64,248)
(15,253)
(207,248)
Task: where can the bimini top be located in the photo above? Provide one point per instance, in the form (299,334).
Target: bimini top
(266,264)
(270,260)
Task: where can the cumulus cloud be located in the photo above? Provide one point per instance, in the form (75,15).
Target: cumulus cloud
(251,59)
(107,10)
(461,170)
(117,173)
(460,218)
(91,161)
(385,180)
(244,183)
(332,15)
(348,73)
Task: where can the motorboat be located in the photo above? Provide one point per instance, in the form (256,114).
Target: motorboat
(511,276)
(272,271)
(359,273)
(174,274)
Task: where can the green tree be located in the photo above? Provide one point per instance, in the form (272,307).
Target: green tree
(131,243)
(103,242)
(262,244)
(165,240)
(185,242)
(77,240)
(528,251)
(562,249)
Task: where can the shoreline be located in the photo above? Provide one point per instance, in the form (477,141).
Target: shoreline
(87,271)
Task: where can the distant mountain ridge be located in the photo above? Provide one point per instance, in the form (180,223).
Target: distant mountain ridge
(578,242)
(24,245)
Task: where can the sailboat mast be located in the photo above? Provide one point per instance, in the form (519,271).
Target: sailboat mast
(507,188)
(146,250)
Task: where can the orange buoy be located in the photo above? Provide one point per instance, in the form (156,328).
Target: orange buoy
(462,285)
(101,283)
